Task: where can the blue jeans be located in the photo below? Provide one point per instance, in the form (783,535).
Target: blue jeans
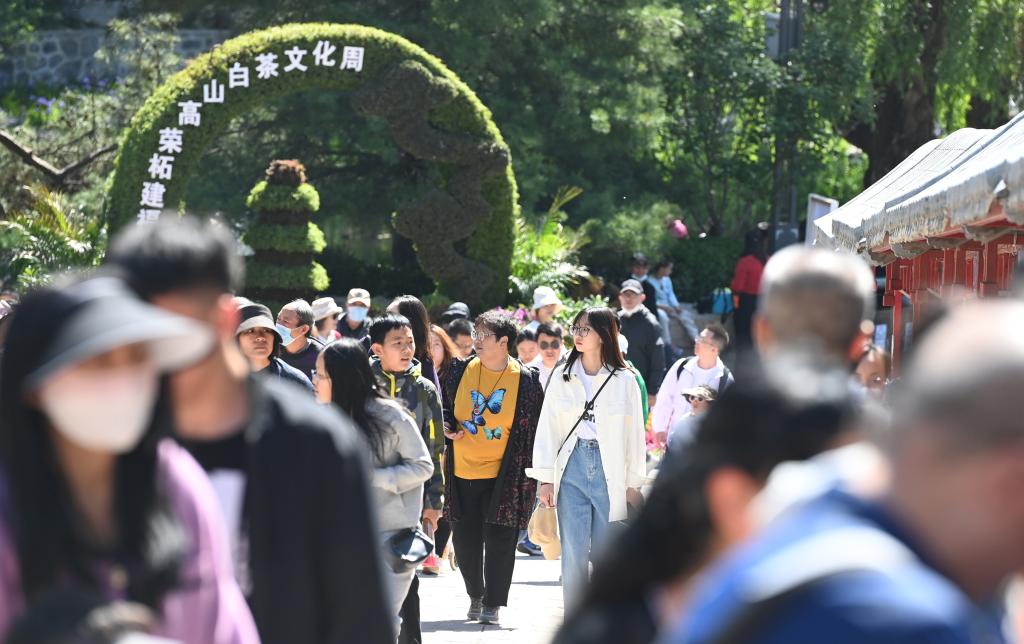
(582,516)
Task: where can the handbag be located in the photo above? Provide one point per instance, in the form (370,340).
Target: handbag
(407,549)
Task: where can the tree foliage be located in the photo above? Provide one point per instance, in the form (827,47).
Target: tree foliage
(46,234)
(655,108)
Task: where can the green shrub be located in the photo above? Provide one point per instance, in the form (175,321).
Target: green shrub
(546,254)
(431,113)
(301,279)
(268,197)
(284,239)
(636,229)
(702,265)
(294,239)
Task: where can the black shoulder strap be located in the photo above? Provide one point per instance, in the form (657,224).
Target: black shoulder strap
(682,365)
(724,381)
(586,409)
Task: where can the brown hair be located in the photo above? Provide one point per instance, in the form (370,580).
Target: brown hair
(605,324)
(447,346)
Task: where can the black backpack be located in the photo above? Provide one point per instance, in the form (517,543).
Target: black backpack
(723,382)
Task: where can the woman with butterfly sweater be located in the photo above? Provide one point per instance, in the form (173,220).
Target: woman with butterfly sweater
(590,452)
(493,402)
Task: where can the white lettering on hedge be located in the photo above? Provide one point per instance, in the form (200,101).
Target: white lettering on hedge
(322,54)
(267,67)
(148,216)
(152,194)
(238,76)
(295,56)
(170,140)
(161,167)
(189,114)
(352,58)
(213,92)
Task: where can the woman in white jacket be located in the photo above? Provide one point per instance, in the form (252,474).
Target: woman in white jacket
(401,461)
(589,454)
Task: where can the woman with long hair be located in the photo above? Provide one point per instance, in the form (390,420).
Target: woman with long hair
(401,461)
(700,503)
(590,451)
(93,495)
(442,352)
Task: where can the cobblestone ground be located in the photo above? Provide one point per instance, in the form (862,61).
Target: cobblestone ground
(533,613)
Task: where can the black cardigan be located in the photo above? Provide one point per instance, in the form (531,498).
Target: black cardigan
(317,574)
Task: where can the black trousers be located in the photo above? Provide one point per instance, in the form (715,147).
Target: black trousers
(487,552)
(441,535)
(743,319)
(410,633)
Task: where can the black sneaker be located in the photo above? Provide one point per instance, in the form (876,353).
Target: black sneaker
(489,615)
(528,547)
(476,606)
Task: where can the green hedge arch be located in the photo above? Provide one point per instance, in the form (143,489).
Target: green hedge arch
(463,227)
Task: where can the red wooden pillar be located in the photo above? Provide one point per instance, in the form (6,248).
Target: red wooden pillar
(897,332)
(989,284)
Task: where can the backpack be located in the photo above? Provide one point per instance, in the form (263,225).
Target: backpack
(723,382)
(721,301)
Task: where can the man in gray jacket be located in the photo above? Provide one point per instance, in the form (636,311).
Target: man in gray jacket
(643,331)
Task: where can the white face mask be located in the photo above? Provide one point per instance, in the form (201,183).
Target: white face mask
(106,411)
(630,312)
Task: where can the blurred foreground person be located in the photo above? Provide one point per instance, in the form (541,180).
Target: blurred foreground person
(700,504)
(93,496)
(815,302)
(77,617)
(401,460)
(927,562)
(290,474)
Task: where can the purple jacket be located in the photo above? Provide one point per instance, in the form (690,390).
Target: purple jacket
(210,607)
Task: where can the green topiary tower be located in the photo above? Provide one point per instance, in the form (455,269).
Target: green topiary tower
(284,237)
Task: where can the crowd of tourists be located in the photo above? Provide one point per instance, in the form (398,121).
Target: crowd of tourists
(178,461)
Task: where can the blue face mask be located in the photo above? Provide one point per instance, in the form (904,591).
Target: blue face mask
(357,313)
(286,334)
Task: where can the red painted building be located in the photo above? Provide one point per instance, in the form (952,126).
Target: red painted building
(947,223)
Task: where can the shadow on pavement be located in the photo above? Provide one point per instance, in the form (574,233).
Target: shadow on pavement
(457,625)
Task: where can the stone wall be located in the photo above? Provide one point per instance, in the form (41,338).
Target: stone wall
(58,57)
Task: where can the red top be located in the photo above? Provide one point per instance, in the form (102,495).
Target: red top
(747,278)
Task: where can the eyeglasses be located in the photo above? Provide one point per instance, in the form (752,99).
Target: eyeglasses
(544,346)
(480,336)
(317,376)
(582,331)
(691,398)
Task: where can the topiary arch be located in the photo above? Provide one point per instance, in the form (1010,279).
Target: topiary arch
(463,227)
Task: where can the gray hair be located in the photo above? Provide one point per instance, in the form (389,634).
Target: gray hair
(818,297)
(304,312)
(964,380)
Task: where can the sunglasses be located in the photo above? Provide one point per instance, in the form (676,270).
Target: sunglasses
(544,346)
(690,398)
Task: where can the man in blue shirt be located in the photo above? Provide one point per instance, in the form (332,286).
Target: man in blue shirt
(926,562)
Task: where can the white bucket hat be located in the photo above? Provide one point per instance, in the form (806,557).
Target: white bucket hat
(325,307)
(544,295)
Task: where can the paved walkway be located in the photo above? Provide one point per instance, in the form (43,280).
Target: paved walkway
(533,613)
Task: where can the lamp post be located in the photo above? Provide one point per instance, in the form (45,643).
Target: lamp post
(790,27)
(790,32)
